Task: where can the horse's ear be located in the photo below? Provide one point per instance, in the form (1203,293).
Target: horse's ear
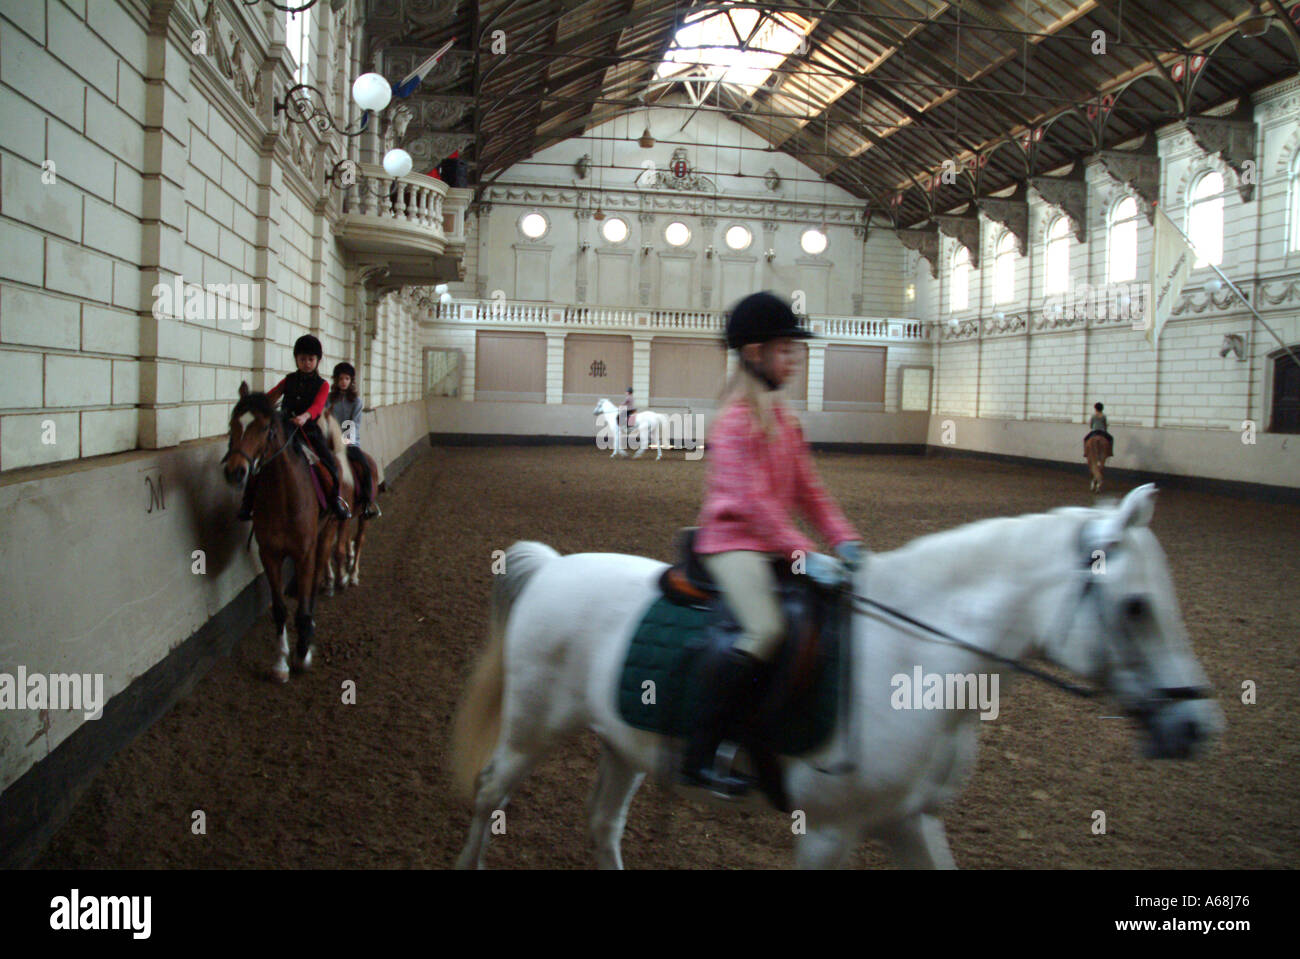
(1138,507)
(243,389)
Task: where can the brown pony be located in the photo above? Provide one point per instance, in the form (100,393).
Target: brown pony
(344,566)
(287,516)
(1096,449)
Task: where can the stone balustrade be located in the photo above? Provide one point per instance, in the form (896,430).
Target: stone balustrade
(517,313)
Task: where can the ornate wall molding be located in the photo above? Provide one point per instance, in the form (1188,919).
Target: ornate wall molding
(390,22)
(1069,195)
(965,229)
(1232,140)
(961,330)
(227,51)
(651,203)
(1139,170)
(926,244)
(1006,325)
(1205,300)
(1280,291)
(1012,213)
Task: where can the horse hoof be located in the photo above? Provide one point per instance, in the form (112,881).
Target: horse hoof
(304,664)
(280,671)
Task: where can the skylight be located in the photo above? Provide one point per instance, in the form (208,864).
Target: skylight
(707,47)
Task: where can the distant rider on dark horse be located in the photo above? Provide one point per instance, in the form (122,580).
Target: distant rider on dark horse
(302,396)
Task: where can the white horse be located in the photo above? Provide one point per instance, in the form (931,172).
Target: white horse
(560,629)
(651,428)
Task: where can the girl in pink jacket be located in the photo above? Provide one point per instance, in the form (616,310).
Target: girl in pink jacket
(759,472)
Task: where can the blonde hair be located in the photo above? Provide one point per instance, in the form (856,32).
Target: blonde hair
(745,387)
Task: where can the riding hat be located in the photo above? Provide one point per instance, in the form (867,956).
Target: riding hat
(345,369)
(308,344)
(761,317)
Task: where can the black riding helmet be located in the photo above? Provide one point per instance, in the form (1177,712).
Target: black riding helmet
(344,369)
(761,317)
(308,344)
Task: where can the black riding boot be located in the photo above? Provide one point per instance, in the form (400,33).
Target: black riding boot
(340,507)
(246,504)
(730,679)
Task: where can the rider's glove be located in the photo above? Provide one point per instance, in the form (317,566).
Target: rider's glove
(850,553)
(826,570)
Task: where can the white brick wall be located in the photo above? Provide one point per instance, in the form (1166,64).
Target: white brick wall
(1069,371)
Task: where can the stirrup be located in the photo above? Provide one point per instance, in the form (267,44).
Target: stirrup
(719,778)
(372,511)
(341,509)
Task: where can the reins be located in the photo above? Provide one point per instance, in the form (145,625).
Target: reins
(258,464)
(1083,691)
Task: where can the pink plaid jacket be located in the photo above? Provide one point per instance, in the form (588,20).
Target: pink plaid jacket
(753,484)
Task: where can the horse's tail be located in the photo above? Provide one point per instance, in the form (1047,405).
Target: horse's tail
(339,447)
(478,721)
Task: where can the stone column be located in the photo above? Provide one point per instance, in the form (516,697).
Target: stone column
(641,368)
(165,341)
(816,375)
(708,225)
(480,278)
(583,216)
(555,366)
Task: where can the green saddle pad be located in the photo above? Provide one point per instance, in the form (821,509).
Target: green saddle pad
(659,689)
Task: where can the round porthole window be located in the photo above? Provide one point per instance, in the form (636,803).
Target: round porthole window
(739,238)
(533,225)
(813,242)
(614,230)
(677,233)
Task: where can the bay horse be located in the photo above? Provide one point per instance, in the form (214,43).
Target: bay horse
(991,592)
(1096,449)
(288,519)
(344,566)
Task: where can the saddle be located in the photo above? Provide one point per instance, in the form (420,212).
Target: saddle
(797,703)
(322,482)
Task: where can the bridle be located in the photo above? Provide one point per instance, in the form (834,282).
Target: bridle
(257,463)
(1091,540)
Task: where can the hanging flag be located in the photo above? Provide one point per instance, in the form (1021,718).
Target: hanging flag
(411,82)
(1171,261)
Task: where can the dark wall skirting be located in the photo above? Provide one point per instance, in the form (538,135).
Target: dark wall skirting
(507,439)
(1200,484)
(38,802)
(1237,488)
(880,449)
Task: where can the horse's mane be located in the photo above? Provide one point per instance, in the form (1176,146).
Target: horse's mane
(997,532)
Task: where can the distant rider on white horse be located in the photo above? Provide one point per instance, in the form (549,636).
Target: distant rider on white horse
(627,412)
(759,472)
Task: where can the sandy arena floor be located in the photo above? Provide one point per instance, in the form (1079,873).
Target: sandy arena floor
(289,777)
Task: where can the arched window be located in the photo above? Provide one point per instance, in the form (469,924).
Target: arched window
(1122,242)
(1057,279)
(1205,219)
(959,298)
(1004,269)
(1293,207)
(297,31)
